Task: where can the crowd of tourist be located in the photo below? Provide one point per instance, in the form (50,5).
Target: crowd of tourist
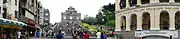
(84,35)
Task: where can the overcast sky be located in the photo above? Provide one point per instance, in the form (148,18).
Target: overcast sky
(85,7)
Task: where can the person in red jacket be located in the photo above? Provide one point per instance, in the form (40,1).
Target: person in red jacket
(86,35)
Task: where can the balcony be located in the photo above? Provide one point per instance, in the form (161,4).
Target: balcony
(150,5)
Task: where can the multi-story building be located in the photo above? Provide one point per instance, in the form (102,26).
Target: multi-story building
(148,19)
(46,17)
(41,15)
(29,13)
(10,9)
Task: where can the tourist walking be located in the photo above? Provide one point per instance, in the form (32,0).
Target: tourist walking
(103,35)
(81,34)
(112,34)
(86,35)
(2,35)
(74,35)
(60,35)
(19,34)
(98,35)
(9,35)
(38,34)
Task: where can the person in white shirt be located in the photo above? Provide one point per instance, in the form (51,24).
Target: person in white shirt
(98,35)
(19,34)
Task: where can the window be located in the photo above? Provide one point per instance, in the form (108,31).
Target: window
(47,14)
(70,17)
(77,18)
(132,2)
(32,2)
(123,4)
(0,10)
(64,17)
(145,1)
(4,13)
(4,1)
(46,19)
(16,2)
(16,14)
(70,12)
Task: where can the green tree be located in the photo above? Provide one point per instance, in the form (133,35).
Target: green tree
(100,19)
(109,14)
(89,20)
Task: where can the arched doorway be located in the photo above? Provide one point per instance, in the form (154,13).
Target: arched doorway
(177,20)
(164,20)
(123,26)
(133,22)
(146,21)
(155,37)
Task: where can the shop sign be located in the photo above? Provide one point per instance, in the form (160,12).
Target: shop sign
(161,33)
(154,32)
(30,22)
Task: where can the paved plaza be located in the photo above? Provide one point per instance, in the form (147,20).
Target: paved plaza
(65,37)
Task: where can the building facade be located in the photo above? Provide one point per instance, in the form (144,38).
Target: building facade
(29,14)
(147,19)
(25,11)
(10,9)
(70,21)
(44,19)
(1,8)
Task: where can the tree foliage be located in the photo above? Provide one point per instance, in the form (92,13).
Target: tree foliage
(108,14)
(93,28)
(89,20)
(100,19)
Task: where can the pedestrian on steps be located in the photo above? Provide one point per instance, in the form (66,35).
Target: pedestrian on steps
(98,35)
(74,35)
(86,35)
(103,35)
(81,34)
(59,35)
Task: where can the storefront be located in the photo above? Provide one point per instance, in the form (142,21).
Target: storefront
(163,34)
(32,27)
(10,27)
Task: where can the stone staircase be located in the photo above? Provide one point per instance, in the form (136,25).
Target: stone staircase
(127,34)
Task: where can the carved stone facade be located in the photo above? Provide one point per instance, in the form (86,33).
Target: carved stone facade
(155,18)
(70,21)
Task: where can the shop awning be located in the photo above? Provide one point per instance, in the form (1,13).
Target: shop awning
(11,22)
